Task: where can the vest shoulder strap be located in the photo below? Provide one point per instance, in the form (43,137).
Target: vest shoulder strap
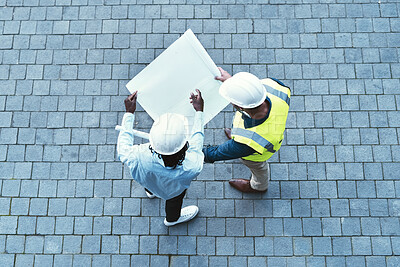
(278,93)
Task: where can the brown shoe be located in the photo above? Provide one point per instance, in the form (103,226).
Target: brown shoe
(228,132)
(243,185)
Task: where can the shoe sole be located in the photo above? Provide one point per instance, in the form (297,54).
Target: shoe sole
(183,220)
(150,196)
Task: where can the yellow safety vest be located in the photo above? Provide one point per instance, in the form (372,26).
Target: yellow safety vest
(267,137)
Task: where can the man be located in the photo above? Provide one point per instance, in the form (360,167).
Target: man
(165,166)
(262,108)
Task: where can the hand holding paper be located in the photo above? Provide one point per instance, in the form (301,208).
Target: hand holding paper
(224,75)
(130,103)
(163,86)
(197,101)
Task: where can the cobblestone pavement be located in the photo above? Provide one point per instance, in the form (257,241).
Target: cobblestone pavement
(334,195)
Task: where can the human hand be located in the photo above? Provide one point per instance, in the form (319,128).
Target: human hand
(197,101)
(130,103)
(224,75)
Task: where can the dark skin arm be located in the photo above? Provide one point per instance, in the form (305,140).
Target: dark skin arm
(197,101)
(130,103)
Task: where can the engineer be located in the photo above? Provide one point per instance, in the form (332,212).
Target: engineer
(166,166)
(258,126)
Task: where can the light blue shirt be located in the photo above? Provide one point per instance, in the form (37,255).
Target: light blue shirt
(149,170)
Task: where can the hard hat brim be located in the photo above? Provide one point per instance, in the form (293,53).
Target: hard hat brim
(158,136)
(164,152)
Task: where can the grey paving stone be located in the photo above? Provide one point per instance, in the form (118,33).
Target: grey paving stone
(11,187)
(393,261)
(385,189)
(24,260)
(38,206)
(44,260)
(34,244)
(110,244)
(283,246)
(5,206)
(53,245)
(292,226)
(378,207)
(3,243)
(7,169)
(368,226)
(112,206)
(274,227)
(276,261)
(120,259)
(225,246)
(235,227)
(331,226)
(312,227)
(366,189)
(121,225)
(15,244)
(81,260)
(57,207)
(102,225)
(148,244)
(389,170)
(64,225)
(59,170)
(361,245)
(215,227)
(94,206)
(45,225)
(302,246)
(63,260)
(225,207)
(372,260)
(91,244)
(359,207)
(322,246)
(75,206)
(320,208)
(83,225)
(333,261)
(19,206)
(72,244)
(363,154)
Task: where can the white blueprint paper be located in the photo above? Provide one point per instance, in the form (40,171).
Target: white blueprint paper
(166,83)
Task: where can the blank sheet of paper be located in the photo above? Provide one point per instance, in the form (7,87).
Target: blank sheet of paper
(166,83)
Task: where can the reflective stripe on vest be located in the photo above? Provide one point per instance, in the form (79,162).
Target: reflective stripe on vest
(278,93)
(255,137)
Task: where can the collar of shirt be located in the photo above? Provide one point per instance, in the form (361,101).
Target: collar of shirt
(249,122)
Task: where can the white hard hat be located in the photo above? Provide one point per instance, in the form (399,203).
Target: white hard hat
(169,133)
(244,90)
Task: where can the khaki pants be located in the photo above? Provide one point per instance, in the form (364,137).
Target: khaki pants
(259,174)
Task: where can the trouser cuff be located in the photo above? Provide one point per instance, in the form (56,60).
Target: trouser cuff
(258,186)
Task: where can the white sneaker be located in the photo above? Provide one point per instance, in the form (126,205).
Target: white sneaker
(187,213)
(150,195)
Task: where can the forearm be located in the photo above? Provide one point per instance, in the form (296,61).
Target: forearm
(198,124)
(125,137)
(226,151)
(197,139)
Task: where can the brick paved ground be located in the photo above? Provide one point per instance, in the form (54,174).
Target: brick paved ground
(334,195)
